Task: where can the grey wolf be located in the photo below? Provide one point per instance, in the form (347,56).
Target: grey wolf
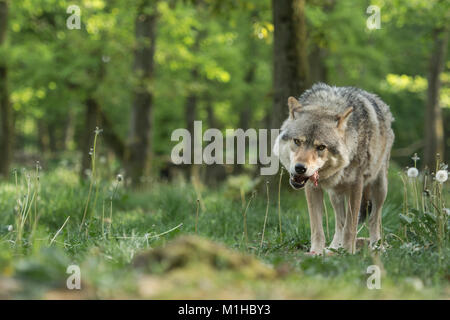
(338,139)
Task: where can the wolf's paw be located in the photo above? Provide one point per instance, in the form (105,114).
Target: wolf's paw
(314,253)
(325,252)
(330,251)
(318,252)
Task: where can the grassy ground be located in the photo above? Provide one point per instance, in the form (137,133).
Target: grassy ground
(142,250)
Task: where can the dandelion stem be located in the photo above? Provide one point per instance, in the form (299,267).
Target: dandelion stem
(116,185)
(196,215)
(265,218)
(97,132)
(245,220)
(103,218)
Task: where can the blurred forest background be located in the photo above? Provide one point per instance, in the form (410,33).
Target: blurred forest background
(141,69)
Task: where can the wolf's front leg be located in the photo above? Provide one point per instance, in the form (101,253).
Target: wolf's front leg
(338,202)
(314,197)
(351,219)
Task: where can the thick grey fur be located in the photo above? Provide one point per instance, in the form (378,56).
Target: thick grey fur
(358,156)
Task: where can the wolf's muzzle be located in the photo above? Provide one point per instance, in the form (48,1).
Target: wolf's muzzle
(298,181)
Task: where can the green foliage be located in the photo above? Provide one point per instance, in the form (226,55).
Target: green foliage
(218,51)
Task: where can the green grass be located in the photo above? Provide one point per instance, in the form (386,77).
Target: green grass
(414,265)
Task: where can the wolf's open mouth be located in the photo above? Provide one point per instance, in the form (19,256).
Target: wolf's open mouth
(298,182)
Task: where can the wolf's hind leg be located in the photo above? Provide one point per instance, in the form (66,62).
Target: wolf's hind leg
(338,202)
(379,191)
(351,217)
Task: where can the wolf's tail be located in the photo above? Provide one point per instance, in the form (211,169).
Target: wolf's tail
(366,206)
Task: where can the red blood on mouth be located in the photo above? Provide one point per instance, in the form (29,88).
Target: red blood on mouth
(315,178)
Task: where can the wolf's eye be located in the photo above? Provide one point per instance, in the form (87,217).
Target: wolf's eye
(297,142)
(321,147)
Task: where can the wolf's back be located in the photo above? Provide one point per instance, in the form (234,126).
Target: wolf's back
(340,98)
(371,116)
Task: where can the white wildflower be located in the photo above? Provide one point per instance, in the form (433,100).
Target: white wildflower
(97,130)
(10,228)
(88,172)
(416,283)
(447,211)
(413,172)
(441,176)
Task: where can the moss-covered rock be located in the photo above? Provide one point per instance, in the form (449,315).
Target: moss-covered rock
(192,252)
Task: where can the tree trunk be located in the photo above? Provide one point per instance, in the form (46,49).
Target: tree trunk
(69,130)
(245,116)
(290,60)
(247,105)
(43,138)
(52,137)
(211,118)
(318,71)
(193,94)
(140,126)
(7,128)
(112,139)
(434,127)
(190,110)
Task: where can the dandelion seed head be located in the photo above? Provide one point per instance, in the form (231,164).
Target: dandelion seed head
(98,130)
(413,172)
(441,176)
(88,172)
(416,283)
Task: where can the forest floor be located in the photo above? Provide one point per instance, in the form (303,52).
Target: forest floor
(146,244)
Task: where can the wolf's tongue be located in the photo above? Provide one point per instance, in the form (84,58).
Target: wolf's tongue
(315,178)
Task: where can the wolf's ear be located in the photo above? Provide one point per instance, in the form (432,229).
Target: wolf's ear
(343,117)
(294,105)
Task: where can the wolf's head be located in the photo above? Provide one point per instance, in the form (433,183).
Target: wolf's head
(311,143)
